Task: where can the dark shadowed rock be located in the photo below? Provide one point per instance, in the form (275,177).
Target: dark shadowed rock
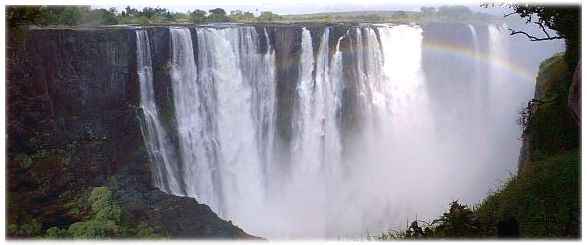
(181,217)
(575,94)
(73,121)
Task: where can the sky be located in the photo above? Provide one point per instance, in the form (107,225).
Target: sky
(281,7)
(296,7)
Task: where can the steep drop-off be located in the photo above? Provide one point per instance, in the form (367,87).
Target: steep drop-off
(283,128)
(543,199)
(73,123)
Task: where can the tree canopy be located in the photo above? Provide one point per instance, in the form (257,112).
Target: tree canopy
(19,17)
(564,19)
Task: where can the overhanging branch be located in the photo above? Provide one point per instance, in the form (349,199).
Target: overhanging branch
(543,29)
(533,38)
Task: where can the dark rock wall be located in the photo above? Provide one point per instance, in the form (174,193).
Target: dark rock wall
(74,122)
(287,59)
(87,80)
(575,94)
(71,118)
(81,88)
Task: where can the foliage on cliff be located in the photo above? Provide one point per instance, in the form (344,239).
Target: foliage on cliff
(458,222)
(550,123)
(99,218)
(544,200)
(544,197)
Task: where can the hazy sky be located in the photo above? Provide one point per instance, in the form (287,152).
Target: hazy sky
(297,7)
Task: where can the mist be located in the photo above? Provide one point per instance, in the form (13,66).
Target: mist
(387,123)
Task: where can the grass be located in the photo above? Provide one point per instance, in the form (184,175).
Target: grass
(544,199)
(552,128)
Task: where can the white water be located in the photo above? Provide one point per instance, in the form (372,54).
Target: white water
(478,88)
(156,137)
(395,167)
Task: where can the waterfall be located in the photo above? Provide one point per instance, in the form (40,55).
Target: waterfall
(336,183)
(478,88)
(197,137)
(156,138)
(403,99)
(498,77)
(224,114)
(328,82)
(503,96)
(307,118)
(264,100)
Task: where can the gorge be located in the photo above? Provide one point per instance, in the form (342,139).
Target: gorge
(286,130)
(323,131)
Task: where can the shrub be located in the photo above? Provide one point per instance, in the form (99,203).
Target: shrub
(56,233)
(31,229)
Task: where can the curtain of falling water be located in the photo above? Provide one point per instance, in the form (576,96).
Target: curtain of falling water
(224,102)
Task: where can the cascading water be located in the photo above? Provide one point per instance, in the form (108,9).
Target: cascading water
(337,184)
(156,138)
(504,97)
(308,117)
(198,144)
(477,87)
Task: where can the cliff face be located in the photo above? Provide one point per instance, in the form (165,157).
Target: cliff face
(73,121)
(73,118)
(552,121)
(575,94)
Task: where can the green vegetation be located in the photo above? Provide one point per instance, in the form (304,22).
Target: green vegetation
(550,123)
(84,16)
(104,220)
(458,222)
(21,17)
(444,13)
(544,199)
(100,218)
(33,228)
(562,18)
(239,16)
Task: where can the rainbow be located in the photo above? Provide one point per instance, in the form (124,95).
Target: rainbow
(461,52)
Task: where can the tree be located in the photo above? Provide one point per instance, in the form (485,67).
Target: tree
(106,17)
(460,221)
(235,13)
(181,17)
(131,11)
(564,19)
(69,17)
(217,15)
(248,16)
(374,18)
(198,16)
(20,18)
(428,10)
(239,16)
(457,12)
(401,15)
(105,218)
(268,16)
